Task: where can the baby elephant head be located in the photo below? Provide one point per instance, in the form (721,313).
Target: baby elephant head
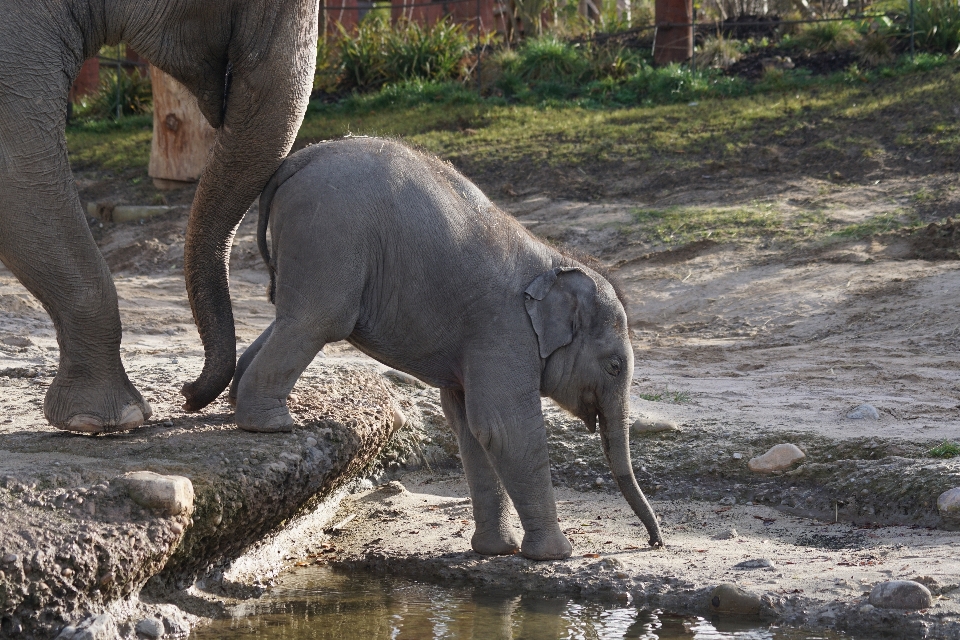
(582,334)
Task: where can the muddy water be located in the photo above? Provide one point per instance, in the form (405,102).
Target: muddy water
(318,603)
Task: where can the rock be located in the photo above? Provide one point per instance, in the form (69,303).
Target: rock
(101,627)
(756,563)
(901,594)
(778,458)
(948,504)
(398,420)
(392,488)
(10,558)
(864,412)
(598,481)
(150,628)
(399,377)
(167,495)
(731,599)
(651,425)
(67,633)
(728,501)
(726,534)
(17,341)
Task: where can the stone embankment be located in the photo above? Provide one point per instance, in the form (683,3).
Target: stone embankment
(91,523)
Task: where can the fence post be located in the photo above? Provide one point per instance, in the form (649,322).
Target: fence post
(674,36)
(479,54)
(912,53)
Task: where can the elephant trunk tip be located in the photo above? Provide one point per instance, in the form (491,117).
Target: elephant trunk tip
(206,388)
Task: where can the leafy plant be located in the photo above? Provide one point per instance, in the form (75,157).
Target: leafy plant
(936,25)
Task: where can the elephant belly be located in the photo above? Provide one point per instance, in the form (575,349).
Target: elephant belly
(432,369)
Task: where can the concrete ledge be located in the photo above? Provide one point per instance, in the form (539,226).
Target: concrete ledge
(74,542)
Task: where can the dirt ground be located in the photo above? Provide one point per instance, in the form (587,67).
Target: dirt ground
(742,345)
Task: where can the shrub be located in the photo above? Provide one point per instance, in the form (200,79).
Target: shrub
(130,90)
(611,60)
(718,52)
(549,59)
(876,49)
(828,36)
(379,53)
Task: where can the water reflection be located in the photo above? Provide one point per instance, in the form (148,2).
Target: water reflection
(320,604)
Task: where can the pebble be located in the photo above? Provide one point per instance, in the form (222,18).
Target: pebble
(756,563)
(948,504)
(901,594)
(311,441)
(168,495)
(101,627)
(731,599)
(864,412)
(598,481)
(648,425)
(150,627)
(778,458)
(726,534)
(10,558)
(728,501)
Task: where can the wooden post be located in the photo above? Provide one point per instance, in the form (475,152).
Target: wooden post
(182,137)
(673,43)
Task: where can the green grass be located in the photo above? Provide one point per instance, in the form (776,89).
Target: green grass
(945,450)
(111,145)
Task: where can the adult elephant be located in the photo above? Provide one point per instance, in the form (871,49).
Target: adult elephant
(250,64)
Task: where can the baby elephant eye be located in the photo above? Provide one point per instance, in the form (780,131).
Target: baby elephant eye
(613,365)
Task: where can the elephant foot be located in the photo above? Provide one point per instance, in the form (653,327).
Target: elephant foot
(277,420)
(495,542)
(540,545)
(94,408)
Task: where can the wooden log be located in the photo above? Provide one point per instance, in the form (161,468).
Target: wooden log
(182,137)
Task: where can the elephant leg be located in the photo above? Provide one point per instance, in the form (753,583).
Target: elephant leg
(245,361)
(47,245)
(503,413)
(494,535)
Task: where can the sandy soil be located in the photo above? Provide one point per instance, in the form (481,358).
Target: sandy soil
(747,345)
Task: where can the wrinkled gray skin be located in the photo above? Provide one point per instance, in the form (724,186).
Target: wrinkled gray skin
(405,258)
(249,62)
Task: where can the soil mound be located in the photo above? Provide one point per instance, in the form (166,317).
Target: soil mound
(938,241)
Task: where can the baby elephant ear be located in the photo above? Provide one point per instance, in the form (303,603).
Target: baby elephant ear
(555,300)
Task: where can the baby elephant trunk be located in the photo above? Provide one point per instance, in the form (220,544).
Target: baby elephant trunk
(616,447)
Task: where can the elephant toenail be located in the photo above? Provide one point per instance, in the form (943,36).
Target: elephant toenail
(85,423)
(131,418)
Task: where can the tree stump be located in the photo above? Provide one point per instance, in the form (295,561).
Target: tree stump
(182,137)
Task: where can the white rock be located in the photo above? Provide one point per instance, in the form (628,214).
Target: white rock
(101,627)
(150,627)
(948,504)
(864,412)
(778,458)
(653,425)
(901,594)
(167,495)
(398,419)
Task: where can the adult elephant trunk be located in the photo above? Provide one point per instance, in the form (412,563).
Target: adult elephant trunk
(263,111)
(614,434)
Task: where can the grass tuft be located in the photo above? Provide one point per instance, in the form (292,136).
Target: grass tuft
(945,450)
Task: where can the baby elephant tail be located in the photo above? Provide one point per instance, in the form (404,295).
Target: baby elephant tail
(288,169)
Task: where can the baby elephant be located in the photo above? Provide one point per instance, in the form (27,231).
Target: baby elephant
(397,253)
